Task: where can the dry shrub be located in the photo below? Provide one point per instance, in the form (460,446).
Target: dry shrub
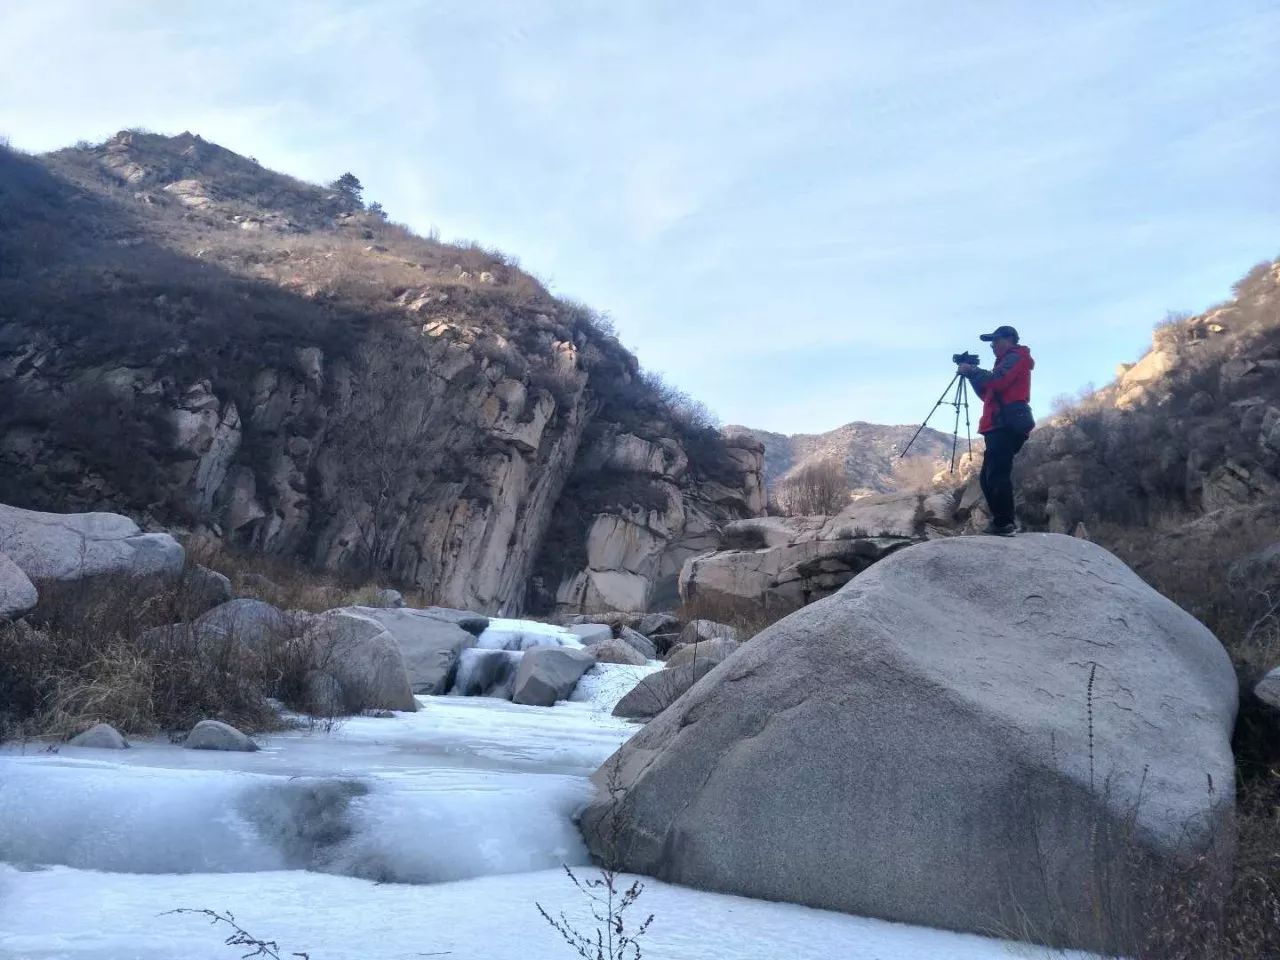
(817,489)
(286,584)
(119,650)
(748,617)
(916,475)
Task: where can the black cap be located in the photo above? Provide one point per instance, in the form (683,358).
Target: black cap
(1000,333)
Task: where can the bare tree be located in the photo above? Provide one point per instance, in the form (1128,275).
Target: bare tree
(818,488)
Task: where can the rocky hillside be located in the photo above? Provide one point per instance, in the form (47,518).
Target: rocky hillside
(1192,429)
(198,342)
(867,450)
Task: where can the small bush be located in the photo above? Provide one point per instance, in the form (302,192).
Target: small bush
(820,488)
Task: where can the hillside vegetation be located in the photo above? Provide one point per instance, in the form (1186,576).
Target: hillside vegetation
(201,343)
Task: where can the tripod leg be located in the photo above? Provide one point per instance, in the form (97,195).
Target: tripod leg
(955,433)
(941,400)
(968,432)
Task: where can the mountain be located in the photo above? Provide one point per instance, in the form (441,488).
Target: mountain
(869,452)
(205,344)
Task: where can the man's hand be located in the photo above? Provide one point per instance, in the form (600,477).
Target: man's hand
(965,368)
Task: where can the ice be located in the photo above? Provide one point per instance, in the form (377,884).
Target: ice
(461,788)
(81,915)
(466,807)
(524,635)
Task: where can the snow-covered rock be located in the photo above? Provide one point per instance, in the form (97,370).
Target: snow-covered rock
(962,720)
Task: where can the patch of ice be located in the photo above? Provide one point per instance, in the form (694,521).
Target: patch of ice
(65,914)
(503,634)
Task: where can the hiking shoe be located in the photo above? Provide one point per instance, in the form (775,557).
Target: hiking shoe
(1001,530)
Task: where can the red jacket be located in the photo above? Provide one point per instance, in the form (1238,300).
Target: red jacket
(1006,391)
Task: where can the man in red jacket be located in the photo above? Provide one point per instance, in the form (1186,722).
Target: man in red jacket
(1006,421)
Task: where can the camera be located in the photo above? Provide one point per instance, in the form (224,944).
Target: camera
(969,358)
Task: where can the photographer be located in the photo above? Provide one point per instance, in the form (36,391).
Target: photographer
(1006,420)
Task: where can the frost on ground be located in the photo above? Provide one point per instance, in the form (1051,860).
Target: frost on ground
(386,837)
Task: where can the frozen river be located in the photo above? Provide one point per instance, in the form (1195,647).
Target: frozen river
(431,833)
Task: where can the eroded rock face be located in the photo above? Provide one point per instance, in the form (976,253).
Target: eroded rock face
(371,414)
(903,748)
(782,563)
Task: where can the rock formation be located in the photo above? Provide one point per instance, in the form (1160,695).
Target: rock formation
(782,563)
(957,738)
(206,345)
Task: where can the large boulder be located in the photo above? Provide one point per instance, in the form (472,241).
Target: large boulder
(548,674)
(257,625)
(72,546)
(362,655)
(656,692)
(958,738)
(17,592)
(652,623)
(430,641)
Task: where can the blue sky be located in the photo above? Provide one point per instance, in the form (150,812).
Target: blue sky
(794,211)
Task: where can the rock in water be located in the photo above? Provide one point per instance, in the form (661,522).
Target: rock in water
(659,690)
(639,643)
(362,655)
(429,643)
(548,674)
(17,592)
(954,739)
(102,736)
(712,651)
(70,546)
(216,735)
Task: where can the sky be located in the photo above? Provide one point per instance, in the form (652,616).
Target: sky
(794,211)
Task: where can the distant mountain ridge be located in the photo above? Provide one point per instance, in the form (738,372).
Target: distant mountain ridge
(867,450)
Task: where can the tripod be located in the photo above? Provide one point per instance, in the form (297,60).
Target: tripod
(958,390)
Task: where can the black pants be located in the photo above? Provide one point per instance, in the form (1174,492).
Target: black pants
(997,472)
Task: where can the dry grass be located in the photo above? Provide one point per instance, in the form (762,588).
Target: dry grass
(120,651)
(286,584)
(816,489)
(748,617)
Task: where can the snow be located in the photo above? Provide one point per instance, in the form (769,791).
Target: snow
(381,837)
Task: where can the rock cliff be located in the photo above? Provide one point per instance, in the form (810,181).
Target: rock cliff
(198,342)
